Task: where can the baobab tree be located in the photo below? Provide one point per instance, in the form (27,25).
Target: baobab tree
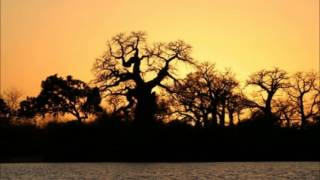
(224,91)
(286,111)
(133,69)
(304,94)
(236,102)
(268,82)
(204,95)
(193,102)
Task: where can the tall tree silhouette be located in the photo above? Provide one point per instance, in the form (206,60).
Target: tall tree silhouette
(132,68)
(304,95)
(268,82)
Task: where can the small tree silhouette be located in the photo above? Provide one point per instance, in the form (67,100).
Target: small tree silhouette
(132,68)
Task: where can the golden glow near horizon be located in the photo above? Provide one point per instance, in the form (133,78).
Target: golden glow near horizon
(43,37)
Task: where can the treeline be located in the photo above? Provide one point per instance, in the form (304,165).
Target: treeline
(137,82)
(138,109)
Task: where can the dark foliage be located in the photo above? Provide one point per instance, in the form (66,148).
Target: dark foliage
(4,113)
(59,95)
(110,139)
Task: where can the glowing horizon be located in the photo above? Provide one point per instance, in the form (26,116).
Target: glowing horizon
(43,37)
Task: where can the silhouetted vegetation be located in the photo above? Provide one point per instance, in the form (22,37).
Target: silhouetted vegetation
(133,69)
(141,111)
(206,95)
(4,112)
(62,96)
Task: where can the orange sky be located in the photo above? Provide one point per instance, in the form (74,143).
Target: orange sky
(43,37)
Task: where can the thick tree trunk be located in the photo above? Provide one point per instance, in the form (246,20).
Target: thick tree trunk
(302,114)
(303,120)
(268,117)
(145,108)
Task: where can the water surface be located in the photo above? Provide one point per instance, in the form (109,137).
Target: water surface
(215,170)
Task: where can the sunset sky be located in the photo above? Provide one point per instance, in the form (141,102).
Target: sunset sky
(43,37)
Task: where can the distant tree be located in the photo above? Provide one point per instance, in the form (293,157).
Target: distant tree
(12,98)
(4,109)
(236,103)
(204,95)
(285,110)
(133,69)
(269,83)
(29,108)
(192,95)
(224,90)
(304,94)
(164,105)
(63,96)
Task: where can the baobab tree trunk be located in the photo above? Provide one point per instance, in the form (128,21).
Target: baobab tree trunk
(268,120)
(303,120)
(268,117)
(302,114)
(145,108)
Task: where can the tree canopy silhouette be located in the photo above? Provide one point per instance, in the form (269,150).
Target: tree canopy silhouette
(12,98)
(59,95)
(304,95)
(29,108)
(206,95)
(4,109)
(132,68)
(268,82)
